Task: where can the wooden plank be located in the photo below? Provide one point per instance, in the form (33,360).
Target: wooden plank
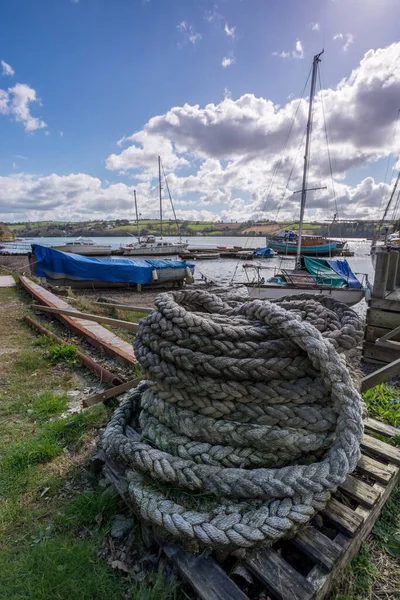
(380,472)
(390,302)
(381,428)
(381,318)
(316,545)
(380,353)
(390,335)
(360,491)
(343,517)
(381,375)
(279,577)
(372,333)
(382,449)
(204,575)
(115,391)
(95,334)
(323,581)
(88,317)
(140,309)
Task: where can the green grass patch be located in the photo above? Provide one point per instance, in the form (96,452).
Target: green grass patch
(62,353)
(17,463)
(91,510)
(383,402)
(29,360)
(359,575)
(43,341)
(47,405)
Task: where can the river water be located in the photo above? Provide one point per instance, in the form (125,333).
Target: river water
(226,271)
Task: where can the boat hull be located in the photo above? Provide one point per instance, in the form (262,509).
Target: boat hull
(291,248)
(139,252)
(85,250)
(348,296)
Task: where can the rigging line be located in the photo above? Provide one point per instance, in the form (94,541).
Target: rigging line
(290,175)
(170,199)
(278,164)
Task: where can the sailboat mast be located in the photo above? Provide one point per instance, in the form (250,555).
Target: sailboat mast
(306,155)
(160,188)
(137,216)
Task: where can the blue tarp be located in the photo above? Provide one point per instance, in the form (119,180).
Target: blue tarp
(87,268)
(264,252)
(342,268)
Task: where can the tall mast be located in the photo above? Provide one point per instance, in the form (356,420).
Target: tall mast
(137,216)
(160,188)
(306,155)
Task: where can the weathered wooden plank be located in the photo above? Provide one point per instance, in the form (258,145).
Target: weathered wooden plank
(316,545)
(381,375)
(278,575)
(204,575)
(372,333)
(390,302)
(140,309)
(343,517)
(370,466)
(360,491)
(108,394)
(95,334)
(390,335)
(87,317)
(381,428)
(323,581)
(381,318)
(380,353)
(382,449)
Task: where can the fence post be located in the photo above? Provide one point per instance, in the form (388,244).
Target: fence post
(392,271)
(381,274)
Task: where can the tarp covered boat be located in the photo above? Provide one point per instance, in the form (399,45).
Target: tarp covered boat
(75,270)
(333,272)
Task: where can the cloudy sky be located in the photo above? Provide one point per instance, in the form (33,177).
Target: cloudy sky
(91,91)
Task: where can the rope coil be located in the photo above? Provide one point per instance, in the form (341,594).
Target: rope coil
(248,403)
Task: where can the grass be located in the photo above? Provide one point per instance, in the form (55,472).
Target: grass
(383,403)
(62,353)
(54,516)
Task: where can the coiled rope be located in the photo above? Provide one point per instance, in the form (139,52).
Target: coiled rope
(248,404)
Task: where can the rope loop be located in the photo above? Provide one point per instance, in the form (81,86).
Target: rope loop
(248,407)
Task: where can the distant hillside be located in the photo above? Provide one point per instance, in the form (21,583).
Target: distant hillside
(123,227)
(6,235)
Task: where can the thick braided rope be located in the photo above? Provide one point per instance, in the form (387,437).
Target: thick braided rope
(201,449)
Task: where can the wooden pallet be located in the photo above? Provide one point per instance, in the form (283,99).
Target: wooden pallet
(306,567)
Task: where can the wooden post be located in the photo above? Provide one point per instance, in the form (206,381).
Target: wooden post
(392,271)
(381,274)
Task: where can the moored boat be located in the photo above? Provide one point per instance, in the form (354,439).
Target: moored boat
(77,271)
(84,247)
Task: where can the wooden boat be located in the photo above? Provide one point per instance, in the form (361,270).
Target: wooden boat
(287,243)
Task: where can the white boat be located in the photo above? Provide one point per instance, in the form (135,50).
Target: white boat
(310,275)
(84,247)
(151,246)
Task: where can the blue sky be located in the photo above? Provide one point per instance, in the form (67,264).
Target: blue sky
(100,70)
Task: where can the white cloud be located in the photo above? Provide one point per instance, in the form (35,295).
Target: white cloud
(230,31)
(61,133)
(348,39)
(314,26)
(212,16)
(189,33)
(16,102)
(227,62)
(232,148)
(7,69)
(298,52)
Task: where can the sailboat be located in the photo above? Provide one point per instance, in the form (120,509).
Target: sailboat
(151,246)
(312,275)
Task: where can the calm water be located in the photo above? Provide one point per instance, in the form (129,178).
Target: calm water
(223,270)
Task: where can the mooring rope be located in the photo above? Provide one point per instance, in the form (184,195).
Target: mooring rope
(248,403)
